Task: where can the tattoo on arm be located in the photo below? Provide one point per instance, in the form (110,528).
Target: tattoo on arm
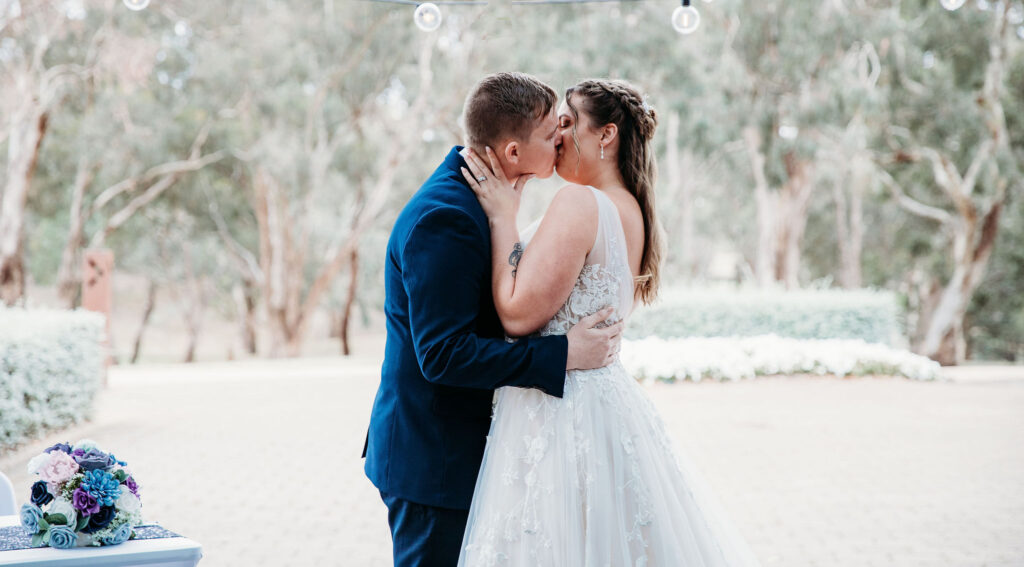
(515,256)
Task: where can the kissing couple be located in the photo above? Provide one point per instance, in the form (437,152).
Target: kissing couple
(505,431)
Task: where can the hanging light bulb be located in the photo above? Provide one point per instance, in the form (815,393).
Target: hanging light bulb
(427,16)
(1015,15)
(951,4)
(136,4)
(686,18)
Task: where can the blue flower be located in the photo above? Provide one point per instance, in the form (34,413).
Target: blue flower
(114,461)
(41,494)
(102,486)
(62,537)
(100,519)
(30,516)
(120,535)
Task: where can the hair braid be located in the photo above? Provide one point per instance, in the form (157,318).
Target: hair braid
(619,103)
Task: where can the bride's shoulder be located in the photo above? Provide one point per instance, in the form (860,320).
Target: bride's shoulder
(574,209)
(575,199)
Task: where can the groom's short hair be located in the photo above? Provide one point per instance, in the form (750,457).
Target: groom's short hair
(505,105)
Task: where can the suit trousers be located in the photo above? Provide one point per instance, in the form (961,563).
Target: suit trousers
(424,536)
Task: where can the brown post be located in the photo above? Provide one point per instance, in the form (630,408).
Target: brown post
(98,291)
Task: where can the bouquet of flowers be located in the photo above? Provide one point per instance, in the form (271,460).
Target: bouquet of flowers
(84,497)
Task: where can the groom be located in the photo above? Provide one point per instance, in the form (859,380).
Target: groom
(446,351)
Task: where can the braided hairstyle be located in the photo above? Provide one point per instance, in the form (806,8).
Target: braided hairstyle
(619,103)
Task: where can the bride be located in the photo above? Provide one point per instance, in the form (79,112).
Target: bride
(590,479)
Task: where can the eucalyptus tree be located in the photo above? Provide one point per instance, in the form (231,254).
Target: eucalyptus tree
(88,133)
(38,71)
(329,122)
(949,158)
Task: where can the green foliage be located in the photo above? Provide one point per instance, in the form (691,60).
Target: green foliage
(56,519)
(257,75)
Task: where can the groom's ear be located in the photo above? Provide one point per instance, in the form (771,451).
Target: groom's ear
(511,152)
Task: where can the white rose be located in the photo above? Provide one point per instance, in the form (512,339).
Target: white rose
(128,502)
(38,462)
(84,444)
(61,506)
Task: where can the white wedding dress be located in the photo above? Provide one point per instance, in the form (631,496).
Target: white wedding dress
(591,479)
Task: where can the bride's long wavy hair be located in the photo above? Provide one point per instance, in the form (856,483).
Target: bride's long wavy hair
(618,102)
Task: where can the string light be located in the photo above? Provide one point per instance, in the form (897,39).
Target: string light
(685,18)
(427,16)
(136,4)
(952,4)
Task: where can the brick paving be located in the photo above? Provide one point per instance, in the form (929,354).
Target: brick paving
(259,462)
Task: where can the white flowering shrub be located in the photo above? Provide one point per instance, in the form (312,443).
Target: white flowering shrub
(735,358)
(869,315)
(50,370)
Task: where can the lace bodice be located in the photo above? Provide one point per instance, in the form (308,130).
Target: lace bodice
(605,279)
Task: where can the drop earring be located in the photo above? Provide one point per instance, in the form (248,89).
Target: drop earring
(602,152)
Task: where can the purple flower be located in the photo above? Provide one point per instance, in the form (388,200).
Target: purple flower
(132,486)
(93,460)
(77,452)
(84,502)
(41,494)
(59,447)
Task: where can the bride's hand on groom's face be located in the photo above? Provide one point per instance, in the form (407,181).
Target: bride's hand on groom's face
(497,194)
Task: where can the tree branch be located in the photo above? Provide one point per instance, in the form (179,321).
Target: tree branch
(194,163)
(916,207)
(245,259)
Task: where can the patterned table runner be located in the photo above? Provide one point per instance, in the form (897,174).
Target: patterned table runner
(17,537)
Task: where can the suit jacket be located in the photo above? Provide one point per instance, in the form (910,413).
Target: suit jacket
(445,352)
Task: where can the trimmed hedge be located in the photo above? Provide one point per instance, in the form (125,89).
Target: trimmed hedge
(871,316)
(51,366)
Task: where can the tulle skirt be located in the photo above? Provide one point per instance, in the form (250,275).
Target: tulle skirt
(592,479)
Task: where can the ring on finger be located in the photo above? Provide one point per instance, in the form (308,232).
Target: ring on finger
(482,178)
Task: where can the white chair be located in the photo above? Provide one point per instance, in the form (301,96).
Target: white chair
(8,502)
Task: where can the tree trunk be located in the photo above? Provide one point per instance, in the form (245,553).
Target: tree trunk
(146,314)
(69,275)
(850,230)
(943,336)
(281,262)
(245,302)
(794,199)
(350,299)
(195,306)
(28,128)
(767,204)
(681,191)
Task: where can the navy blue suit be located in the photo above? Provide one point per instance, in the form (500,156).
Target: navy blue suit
(445,355)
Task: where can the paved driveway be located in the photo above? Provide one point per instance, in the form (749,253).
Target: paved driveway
(259,461)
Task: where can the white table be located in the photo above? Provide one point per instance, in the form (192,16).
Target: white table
(164,552)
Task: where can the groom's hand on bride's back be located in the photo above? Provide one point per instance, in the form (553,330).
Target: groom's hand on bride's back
(591,346)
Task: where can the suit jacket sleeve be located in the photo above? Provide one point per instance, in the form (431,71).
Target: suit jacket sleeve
(444,269)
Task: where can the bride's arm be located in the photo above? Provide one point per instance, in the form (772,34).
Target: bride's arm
(529,286)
